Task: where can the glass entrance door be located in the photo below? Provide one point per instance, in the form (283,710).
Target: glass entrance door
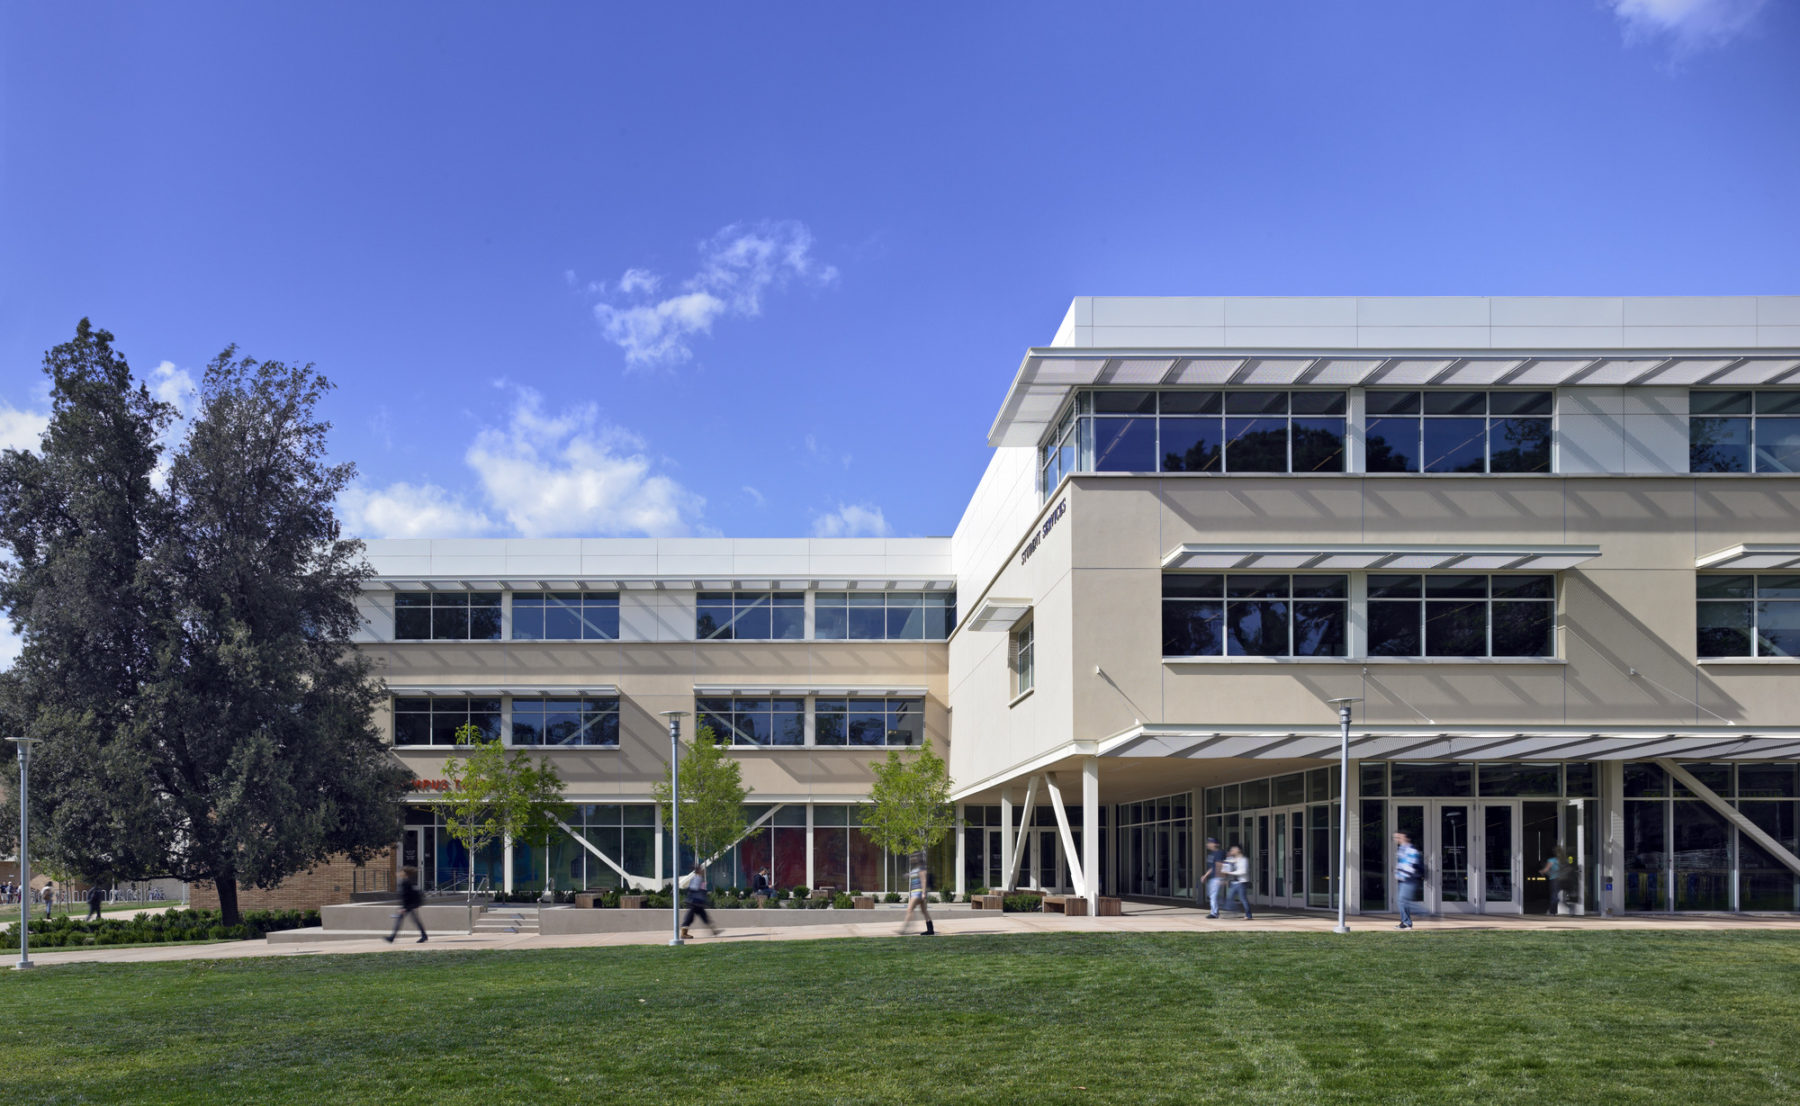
(1502,876)
(1282,858)
(1453,859)
(412,853)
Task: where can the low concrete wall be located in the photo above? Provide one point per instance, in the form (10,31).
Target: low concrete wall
(573,920)
(380,916)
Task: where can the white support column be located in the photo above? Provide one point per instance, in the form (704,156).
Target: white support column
(811,881)
(1006,836)
(506,860)
(1612,856)
(1090,831)
(1353,852)
(962,890)
(1025,820)
(1077,877)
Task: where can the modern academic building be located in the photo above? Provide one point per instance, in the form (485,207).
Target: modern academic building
(1549,548)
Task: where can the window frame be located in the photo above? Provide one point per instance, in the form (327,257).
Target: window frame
(592,710)
(1755,601)
(1424,599)
(893,707)
(934,607)
(587,604)
(744,603)
(1753,417)
(1423,417)
(441,705)
(449,602)
(1024,657)
(726,708)
(1292,598)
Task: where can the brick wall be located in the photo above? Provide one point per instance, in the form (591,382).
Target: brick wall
(329,883)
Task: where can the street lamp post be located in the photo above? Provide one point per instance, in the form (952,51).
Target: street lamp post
(24,744)
(1343,897)
(674,717)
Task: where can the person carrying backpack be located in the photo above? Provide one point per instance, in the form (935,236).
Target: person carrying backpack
(411,898)
(1408,867)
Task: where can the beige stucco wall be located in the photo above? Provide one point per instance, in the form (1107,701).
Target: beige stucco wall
(658,676)
(1097,589)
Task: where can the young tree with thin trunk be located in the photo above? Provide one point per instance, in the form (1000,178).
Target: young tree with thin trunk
(712,798)
(496,794)
(909,803)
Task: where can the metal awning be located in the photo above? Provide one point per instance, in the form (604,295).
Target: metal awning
(1290,556)
(1047,374)
(829,690)
(661,583)
(479,691)
(998,614)
(1752,557)
(1462,743)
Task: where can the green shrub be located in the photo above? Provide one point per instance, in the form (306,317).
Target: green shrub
(891,896)
(1022,904)
(843,901)
(980,891)
(801,891)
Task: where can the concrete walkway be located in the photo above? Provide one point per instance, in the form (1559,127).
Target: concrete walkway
(1138,918)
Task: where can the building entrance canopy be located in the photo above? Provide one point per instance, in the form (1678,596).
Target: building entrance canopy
(1465,743)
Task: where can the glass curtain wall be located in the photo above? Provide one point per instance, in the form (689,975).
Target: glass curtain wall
(1154,845)
(1680,854)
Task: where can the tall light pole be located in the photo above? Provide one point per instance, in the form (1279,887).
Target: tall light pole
(675,717)
(24,744)
(1343,889)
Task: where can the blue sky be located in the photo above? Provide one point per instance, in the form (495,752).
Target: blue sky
(766,270)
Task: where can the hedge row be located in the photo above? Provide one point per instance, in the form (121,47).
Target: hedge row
(145,929)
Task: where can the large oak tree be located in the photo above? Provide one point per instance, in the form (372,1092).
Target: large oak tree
(187,654)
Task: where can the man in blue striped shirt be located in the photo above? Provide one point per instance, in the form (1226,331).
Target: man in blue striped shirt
(1406,874)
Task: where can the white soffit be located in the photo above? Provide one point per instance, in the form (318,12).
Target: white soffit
(480,691)
(1046,375)
(1746,558)
(1485,744)
(1391,558)
(656,583)
(998,614)
(768,691)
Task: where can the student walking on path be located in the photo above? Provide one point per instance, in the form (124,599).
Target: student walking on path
(1215,876)
(411,898)
(1406,874)
(916,881)
(95,898)
(696,889)
(1237,870)
(49,899)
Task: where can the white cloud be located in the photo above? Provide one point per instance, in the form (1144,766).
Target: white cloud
(738,265)
(405,510)
(22,429)
(852,520)
(756,498)
(175,386)
(538,475)
(1692,24)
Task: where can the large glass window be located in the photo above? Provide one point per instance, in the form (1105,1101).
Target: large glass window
(1024,660)
(1056,457)
(754,721)
(1744,431)
(750,616)
(1747,615)
(1196,431)
(565,616)
(1457,431)
(582,721)
(1254,615)
(434,721)
(868,722)
(1461,616)
(447,615)
(883,615)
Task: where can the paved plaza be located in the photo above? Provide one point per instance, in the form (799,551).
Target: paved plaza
(951,923)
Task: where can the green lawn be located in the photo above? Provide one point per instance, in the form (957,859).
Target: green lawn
(1296,1018)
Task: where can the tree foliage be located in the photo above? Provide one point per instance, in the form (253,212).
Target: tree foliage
(909,807)
(497,793)
(712,797)
(187,655)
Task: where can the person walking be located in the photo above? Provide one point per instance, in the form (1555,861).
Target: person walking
(411,898)
(49,899)
(94,899)
(762,888)
(1552,873)
(696,891)
(916,880)
(1237,870)
(1406,875)
(1215,876)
